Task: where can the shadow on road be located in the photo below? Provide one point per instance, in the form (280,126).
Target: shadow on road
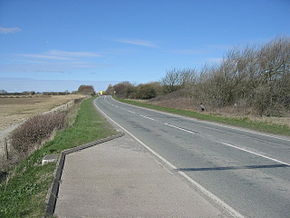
(233,167)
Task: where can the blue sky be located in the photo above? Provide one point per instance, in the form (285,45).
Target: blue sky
(56,45)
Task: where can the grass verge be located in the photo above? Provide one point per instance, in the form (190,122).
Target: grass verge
(25,192)
(240,122)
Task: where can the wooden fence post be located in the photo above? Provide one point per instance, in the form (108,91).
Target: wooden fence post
(6,148)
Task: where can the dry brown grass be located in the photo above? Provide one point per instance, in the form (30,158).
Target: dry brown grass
(16,110)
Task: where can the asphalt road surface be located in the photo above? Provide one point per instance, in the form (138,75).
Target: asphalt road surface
(246,170)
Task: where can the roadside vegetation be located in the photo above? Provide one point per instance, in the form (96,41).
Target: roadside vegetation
(24,189)
(254,80)
(249,87)
(239,122)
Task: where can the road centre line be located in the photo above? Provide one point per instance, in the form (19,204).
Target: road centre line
(223,143)
(146,117)
(233,146)
(255,153)
(132,112)
(167,124)
(199,187)
(176,127)
(204,122)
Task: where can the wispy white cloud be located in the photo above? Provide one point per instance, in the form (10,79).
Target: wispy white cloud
(8,30)
(62,55)
(49,67)
(56,61)
(73,53)
(42,56)
(137,42)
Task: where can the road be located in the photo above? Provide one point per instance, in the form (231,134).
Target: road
(101,181)
(245,170)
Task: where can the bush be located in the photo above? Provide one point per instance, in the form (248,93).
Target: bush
(35,129)
(123,89)
(86,90)
(145,91)
(142,91)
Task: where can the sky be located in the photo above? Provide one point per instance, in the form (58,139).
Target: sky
(57,45)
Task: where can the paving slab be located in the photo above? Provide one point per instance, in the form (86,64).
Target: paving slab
(120,178)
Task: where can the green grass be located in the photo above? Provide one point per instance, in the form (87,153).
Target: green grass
(24,194)
(239,122)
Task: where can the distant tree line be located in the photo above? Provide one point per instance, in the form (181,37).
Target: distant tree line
(255,77)
(83,89)
(141,91)
(34,93)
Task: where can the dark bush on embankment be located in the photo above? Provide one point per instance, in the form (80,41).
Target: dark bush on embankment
(36,129)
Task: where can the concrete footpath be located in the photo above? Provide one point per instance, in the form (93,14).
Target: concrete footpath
(120,178)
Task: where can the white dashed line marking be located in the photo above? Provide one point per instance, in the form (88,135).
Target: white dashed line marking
(176,127)
(255,153)
(146,117)
(224,143)
(132,112)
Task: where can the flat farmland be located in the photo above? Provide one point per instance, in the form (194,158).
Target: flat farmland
(14,110)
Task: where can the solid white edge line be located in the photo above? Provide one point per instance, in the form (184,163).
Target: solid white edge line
(203,190)
(207,122)
(255,153)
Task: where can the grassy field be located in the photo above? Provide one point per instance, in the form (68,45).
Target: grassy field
(240,122)
(24,194)
(15,110)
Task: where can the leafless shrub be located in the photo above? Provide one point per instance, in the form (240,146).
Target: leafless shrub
(176,79)
(35,129)
(78,100)
(172,81)
(258,76)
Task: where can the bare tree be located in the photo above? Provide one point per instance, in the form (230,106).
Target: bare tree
(171,82)
(256,76)
(187,78)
